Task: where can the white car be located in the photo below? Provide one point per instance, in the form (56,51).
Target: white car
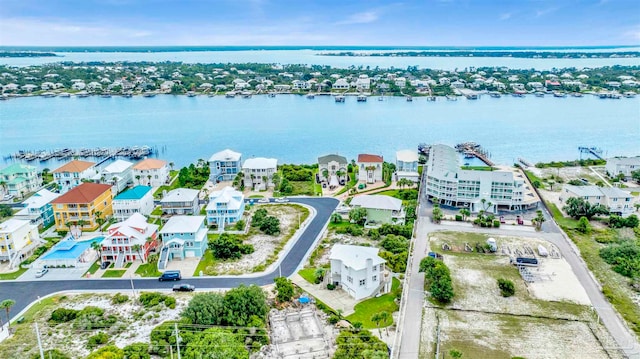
(282,200)
(263,200)
(41,272)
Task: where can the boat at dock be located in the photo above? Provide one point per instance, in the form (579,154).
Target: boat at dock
(339,98)
(559,94)
(127,95)
(311,96)
(191,94)
(471,96)
(105,95)
(409,99)
(272,94)
(539,94)
(362,98)
(613,95)
(246,94)
(629,94)
(64,94)
(82,94)
(48,94)
(381,98)
(431,98)
(149,94)
(230,94)
(495,94)
(577,94)
(452,98)
(517,94)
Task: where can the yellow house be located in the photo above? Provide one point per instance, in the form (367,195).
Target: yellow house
(81,204)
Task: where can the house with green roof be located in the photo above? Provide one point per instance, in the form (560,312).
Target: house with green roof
(19,179)
(138,199)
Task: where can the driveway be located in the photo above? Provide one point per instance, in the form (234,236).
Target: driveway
(25,292)
(54,274)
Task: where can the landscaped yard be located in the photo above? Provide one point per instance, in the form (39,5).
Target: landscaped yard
(13,275)
(308,274)
(114,273)
(384,303)
(93,269)
(206,261)
(148,270)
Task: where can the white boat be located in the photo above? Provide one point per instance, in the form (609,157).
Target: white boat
(339,98)
(311,96)
(362,98)
(64,94)
(381,98)
(230,94)
(246,94)
(409,99)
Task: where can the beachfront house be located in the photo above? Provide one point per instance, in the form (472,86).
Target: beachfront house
(18,239)
(73,173)
(363,83)
(37,208)
(86,202)
(180,201)
(381,209)
(182,237)
(225,165)
(489,191)
(616,200)
(369,168)
(332,169)
(622,166)
(119,174)
(138,199)
(407,165)
(129,240)
(225,207)
(341,84)
(151,172)
(18,179)
(359,271)
(258,172)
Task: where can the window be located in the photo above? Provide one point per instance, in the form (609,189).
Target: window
(349,279)
(363,282)
(374,278)
(375,268)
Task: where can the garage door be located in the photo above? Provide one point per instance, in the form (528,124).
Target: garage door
(190,254)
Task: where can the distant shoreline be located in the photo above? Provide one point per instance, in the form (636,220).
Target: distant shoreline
(27,54)
(514,54)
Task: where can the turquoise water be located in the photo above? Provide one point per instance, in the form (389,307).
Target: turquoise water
(314,56)
(295,129)
(63,250)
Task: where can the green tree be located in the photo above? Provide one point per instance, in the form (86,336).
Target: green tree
(465,213)
(437,214)
(583,225)
(359,344)
(96,246)
(507,288)
(107,352)
(636,175)
(577,207)
(80,224)
(358,215)
(51,354)
(229,246)
(205,309)
(285,290)
(7,304)
(215,343)
(243,302)
(270,226)
(138,249)
(454,353)
(336,217)
(137,351)
(538,220)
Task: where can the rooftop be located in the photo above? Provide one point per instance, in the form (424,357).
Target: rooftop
(12,224)
(331,158)
(117,166)
(407,156)
(17,168)
(260,163)
(369,158)
(84,193)
(355,256)
(74,166)
(150,164)
(40,198)
(377,201)
(624,161)
(226,155)
(136,192)
(181,195)
(183,224)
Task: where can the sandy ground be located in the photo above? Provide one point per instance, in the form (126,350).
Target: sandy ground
(263,244)
(558,283)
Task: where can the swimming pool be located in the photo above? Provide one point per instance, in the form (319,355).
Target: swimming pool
(69,249)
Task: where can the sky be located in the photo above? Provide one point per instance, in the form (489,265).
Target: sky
(327,22)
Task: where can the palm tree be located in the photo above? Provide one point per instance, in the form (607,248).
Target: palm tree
(81,223)
(138,178)
(336,218)
(98,248)
(171,164)
(384,317)
(376,318)
(3,185)
(325,173)
(138,249)
(538,220)
(99,219)
(149,177)
(340,173)
(68,224)
(7,304)
(465,213)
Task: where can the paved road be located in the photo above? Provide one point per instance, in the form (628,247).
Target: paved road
(410,341)
(25,292)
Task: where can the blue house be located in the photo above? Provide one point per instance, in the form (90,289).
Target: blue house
(225,165)
(37,209)
(225,206)
(182,237)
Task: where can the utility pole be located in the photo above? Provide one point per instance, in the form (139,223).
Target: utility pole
(132,288)
(39,341)
(177,340)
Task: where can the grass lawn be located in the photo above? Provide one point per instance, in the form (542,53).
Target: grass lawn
(533,178)
(302,188)
(13,275)
(478,168)
(309,274)
(353,179)
(157,211)
(559,218)
(366,309)
(114,273)
(148,270)
(206,261)
(93,269)
(334,225)
(256,196)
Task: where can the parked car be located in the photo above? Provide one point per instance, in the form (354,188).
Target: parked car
(184,288)
(105,265)
(282,200)
(170,275)
(41,272)
(263,200)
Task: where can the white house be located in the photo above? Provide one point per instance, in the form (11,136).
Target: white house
(300,85)
(119,174)
(225,206)
(341,84)
(181,201)
(78,86)
(20,179)
(363,83)
(151,172)
(369,168)
(225,165)
(18,238)
(139,199)
(258,172)
(400,82)
(72,173)
(407,165)
(182,237)
(359,271)
(121,244)
(37,208)
(332,166)
(625,166)
(616,200)
(381,209)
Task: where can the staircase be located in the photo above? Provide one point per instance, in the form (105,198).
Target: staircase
(164,258)
(119,261)
(14,260)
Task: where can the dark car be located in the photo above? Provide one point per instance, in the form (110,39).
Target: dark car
(105,265)
(170,275)
(183,288)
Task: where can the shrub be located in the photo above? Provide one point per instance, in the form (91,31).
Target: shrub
(583,225)
(458,218)
(137,351)
(63,315)
(119,298)
(496,223)
(96,340)
(52,354)
(333,319)
(229,246)
(331,286)
(152,299)
(438,280)
(240,225)
(507,289)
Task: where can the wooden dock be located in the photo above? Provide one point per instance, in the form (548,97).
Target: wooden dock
(524,162)
(471,149)
(132,152)
(595,151)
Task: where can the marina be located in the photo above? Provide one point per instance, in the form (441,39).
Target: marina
(133,152)
(474,150)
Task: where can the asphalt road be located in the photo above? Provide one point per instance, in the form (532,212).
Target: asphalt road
(25,292)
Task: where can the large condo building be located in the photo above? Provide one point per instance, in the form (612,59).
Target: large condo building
(490,191)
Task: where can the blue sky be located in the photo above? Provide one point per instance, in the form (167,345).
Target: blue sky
(328,22)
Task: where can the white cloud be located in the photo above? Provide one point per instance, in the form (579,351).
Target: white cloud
(360,18)
(505,16)
(545,11)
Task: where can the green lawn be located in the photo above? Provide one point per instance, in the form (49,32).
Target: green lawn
(302,188)
(157,211)
(533,178)
(206,261)
(353,179)
(93,269)
(148,270)
(256,196)
(13,275)
(560,219)
(478,168)
(114,273)
(308,274)
(366,309)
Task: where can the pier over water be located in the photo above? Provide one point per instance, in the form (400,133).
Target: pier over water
(133,152)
